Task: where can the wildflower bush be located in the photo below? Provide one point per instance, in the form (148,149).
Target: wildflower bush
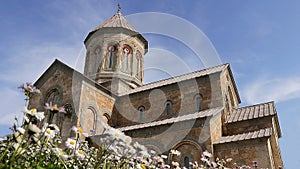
(33,146)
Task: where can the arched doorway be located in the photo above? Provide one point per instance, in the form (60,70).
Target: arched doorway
(190,152)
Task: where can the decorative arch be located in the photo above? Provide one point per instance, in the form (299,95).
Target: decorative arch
(66,124)
(190,151)
(198,100)
(186,158)
(98,58)
(105,115)
(88,117)
(231,97)
(226,102)
(138,58)
(53,95)
(88,124)
(168,107)
(111,55)
(126,58)
(141,111)
(176,141)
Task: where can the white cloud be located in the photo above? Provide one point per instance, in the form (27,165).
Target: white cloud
(279,89)
(12,104)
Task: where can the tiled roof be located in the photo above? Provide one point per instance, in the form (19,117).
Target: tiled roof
(116,21)
(201,114)
(252,112)
(180,78)
(119,21)
(267,132)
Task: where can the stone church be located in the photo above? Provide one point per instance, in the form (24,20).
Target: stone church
(191,113)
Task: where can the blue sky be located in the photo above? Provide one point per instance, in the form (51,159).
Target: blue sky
(260,39)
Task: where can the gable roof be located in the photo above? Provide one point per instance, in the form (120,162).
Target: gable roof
(58,65)
(267,132)
(188,76)
(201,114)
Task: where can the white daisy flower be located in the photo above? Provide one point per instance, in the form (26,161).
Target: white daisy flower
(127,139)
(79,154)
(34,128)
(33,112)
(164,156)
(71,143)
(117,134)
(141,166)
(175,152)
(79,131)
(21,130)
(61,153)
(175,164)
(55,127)
(207,154)
(49,133)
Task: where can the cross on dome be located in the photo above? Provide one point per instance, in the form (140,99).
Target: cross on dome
(119,8)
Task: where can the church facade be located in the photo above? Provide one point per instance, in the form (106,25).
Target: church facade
(191,113)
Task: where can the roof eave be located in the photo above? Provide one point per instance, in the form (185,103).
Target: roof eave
(130,32)
(57,64)
(233,82)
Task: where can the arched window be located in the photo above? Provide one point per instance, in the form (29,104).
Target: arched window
(186,162)
(226,102)
(106,117)
(138,64)
(198,102)
(110,57)
(231,97)
(52,96)
(87,120)
(67,121)
(141,111)
(99,58)
(126,57)
(168,107)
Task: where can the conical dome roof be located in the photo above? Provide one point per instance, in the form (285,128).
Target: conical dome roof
(116,21)
(119,21)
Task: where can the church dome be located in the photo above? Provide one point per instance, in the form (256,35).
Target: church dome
(116,21)
(120,22)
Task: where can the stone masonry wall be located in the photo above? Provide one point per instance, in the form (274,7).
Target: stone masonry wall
(181,96)
(184,136)
(248,125)
(245,152)
(95,106)
(60,84)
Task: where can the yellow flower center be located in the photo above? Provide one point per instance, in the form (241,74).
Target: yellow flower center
(33,111)
(55,107)
(80,152)
(80,130)
(143,166)
(127,140)
(61,152)
(72,142)
(117,134)
(48,131)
